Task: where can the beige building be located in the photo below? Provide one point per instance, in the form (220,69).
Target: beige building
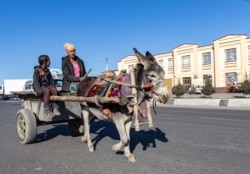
(226,63)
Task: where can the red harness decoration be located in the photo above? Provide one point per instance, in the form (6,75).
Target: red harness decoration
(148,86)
(96,90)
(115,90)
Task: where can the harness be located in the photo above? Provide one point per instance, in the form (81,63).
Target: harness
(122,86)
(112,87)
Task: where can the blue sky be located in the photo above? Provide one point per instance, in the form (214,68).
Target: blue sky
(103,29)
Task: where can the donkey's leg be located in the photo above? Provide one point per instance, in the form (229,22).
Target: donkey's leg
(85,113)
(123,126)
(127,152)
(86,136)
(86,127)
(119,123)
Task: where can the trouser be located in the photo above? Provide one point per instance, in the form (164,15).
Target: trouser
(47,92)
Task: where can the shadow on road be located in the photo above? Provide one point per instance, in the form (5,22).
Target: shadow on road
(147,138)
(58,129)
(102,129)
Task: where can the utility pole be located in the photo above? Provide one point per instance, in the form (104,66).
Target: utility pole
(107,66)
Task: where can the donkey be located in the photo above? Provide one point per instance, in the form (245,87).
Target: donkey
(151,72)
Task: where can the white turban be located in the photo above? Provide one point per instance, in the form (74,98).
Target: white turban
(69,47)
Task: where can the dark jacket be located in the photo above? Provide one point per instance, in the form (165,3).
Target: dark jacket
(68,72)
(42,77)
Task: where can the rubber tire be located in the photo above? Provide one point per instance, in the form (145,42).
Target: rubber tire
(26,126)
(74,126)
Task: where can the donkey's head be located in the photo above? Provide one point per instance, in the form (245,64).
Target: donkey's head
(153,74)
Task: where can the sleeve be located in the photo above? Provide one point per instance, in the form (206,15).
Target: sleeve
(52,82)
(36,83)
(67,75)
(83,68)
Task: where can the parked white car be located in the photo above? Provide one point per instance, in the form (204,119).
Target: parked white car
(197,87)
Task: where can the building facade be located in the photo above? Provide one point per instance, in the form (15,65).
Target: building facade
(225,63)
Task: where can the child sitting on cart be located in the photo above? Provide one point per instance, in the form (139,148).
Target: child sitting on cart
(44,84)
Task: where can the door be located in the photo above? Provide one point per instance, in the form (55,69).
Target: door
(187,82)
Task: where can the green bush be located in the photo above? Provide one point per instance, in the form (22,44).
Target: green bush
(208,89)
(178,90)
(245,87)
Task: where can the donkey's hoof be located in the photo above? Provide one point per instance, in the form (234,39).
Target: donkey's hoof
(84,139)
(91,149)
(131,158)
(116,147)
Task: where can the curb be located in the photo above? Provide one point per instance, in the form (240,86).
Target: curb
(239,103)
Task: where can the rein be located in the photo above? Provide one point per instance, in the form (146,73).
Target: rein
(147,87)
(123,84)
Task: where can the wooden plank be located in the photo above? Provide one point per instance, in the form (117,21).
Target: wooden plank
(100,100)
(22,92)
(149,115)
(134,93)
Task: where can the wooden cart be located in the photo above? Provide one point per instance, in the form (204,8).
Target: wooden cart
(31,115)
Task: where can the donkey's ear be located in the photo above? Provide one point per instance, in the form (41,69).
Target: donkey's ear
(135,50)
(150,57)
(140,56)
(148,54)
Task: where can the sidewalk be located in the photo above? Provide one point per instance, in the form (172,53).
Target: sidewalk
(219,100)
(215,96)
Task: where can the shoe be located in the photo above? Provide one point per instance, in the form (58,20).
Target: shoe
(49,117)
(56,109)
(47,114)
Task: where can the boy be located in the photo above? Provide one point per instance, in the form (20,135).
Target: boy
(43,83)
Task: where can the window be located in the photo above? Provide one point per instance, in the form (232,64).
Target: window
(207,77)
(186,82)
(248,52)
(58,82)
(185,61)
(230,55)
(28,86)
(161,63)
(231,78)
(206,58)
(170,63)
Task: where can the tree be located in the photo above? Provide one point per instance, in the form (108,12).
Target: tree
(245,86)
(178,90)
(208,89)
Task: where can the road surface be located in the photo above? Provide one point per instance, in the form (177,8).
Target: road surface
(183,141)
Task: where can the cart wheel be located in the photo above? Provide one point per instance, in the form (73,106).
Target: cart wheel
(76,127)
(26,126)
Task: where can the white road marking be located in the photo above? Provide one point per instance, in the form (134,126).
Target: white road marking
(224,119)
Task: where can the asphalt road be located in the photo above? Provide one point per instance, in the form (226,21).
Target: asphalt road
(184,141)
